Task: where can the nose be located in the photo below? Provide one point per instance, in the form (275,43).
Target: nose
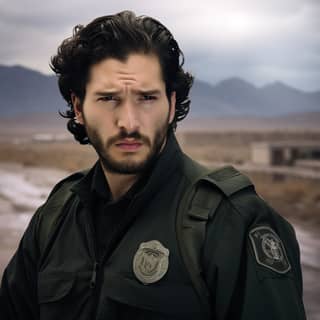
(127,117)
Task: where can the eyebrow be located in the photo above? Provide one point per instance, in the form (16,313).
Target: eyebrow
(148,92)
(106,93)
(116,92)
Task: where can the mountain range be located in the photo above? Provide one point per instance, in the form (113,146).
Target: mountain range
(25,91)
(237,97)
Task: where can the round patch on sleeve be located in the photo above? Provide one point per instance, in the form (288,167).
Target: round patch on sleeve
(269,250)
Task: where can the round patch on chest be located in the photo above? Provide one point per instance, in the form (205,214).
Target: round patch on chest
(151,262)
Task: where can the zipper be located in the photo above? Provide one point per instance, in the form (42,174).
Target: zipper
(93,285)
(94,275)
(92,249)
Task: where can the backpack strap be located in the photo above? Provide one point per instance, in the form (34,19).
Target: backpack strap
(52,210)
(198,205)
(229,180)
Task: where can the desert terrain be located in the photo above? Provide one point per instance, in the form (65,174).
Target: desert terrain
(293,196)
(36,164)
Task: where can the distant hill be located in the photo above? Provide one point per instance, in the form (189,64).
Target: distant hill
(24,91)
(302,121)
(236,97)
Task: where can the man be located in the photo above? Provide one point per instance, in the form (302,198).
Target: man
(106,243)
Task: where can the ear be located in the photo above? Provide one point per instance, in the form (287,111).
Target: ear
(172,106)
(77,107)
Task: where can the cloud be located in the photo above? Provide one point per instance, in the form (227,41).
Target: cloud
(259,40)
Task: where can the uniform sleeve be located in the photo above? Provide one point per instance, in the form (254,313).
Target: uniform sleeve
(252,265)
(18,292)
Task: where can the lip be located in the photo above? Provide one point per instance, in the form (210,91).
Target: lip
(129,145)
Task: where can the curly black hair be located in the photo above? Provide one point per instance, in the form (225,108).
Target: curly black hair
(116,36)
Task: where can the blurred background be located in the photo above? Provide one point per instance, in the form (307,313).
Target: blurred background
(255,105)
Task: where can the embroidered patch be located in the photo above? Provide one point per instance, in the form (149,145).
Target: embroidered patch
(269,250)
(151,262)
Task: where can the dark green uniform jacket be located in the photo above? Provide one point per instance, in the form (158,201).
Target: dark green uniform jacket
(66,280)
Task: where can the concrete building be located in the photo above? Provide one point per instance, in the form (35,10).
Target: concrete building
(285,153)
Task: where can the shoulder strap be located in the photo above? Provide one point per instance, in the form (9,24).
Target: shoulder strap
(52,210)
(198,205)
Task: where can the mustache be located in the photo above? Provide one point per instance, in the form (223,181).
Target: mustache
(125,135)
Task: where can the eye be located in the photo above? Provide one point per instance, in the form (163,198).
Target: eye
(107,98)
(147,97)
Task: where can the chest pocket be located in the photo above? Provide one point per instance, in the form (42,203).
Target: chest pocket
(135,301)
(64,295)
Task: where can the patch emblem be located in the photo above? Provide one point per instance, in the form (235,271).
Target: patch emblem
(151,262)
(269,250)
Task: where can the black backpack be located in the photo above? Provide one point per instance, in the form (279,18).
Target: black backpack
(197,207)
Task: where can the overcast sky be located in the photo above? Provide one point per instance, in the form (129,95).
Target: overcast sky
(258,40)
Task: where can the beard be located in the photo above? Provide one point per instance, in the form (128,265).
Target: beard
(128,166)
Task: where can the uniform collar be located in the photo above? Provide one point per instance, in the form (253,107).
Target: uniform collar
(166,164)
(101,189)
(99,184)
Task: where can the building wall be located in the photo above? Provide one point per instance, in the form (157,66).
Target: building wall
(275,154)
(261,155)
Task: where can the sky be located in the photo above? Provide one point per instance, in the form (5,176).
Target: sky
(260,41)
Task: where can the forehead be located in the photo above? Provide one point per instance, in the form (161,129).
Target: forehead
(138,70)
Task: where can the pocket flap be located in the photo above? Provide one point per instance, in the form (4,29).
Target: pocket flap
(54,286)
(168,298)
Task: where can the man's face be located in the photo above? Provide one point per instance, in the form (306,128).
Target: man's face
(126,112)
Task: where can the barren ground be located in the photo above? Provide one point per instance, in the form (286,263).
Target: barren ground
(297,199)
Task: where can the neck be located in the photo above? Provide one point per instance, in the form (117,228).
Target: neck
(119,184)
